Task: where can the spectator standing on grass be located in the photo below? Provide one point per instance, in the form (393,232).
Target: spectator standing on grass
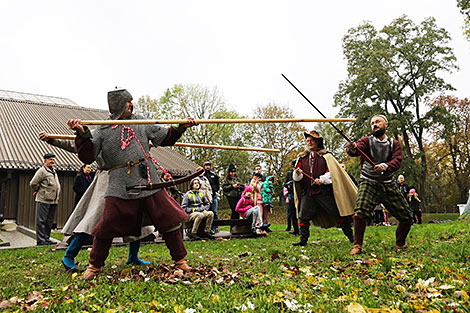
(377,184)
(290,202)
(466,211)
(267,192)
(379,218)
(402,186)
(247,209)
(205,187)
(46,189)
(197,206)
(256,183)
(259,169)
(82,182)
(233,189)
(414,202)
(215,186)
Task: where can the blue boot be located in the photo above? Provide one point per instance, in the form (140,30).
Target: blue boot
(72,251)
(134,254)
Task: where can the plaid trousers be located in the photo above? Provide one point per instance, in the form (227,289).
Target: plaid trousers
(372,193)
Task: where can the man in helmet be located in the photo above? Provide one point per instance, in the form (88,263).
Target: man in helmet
(126,155)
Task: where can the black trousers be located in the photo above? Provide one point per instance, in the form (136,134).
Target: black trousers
(232,202)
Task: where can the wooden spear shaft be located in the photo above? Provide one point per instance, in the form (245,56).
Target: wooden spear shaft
(216,121)
(193,145)
(197,145)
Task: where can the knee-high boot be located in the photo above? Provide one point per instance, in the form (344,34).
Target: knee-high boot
(72,250)
(133,258)
(304,234)
(360,223)
(402,231)
(347,231)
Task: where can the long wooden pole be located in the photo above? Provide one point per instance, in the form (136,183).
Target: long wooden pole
(193,145)
(216,121)
(198,145)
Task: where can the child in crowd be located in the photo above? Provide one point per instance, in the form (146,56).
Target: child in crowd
(267,191)
(414,201)
(246,209)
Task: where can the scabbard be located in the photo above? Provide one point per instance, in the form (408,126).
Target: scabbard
(153,186)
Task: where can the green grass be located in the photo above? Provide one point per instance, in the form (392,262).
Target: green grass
(268,273)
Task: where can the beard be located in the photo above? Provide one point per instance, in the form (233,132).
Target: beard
(378,132)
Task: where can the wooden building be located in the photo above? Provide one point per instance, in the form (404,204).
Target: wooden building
(22,117)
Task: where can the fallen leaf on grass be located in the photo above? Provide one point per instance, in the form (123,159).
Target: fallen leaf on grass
(5,304)
(274,256)
(170,275)
(355,308)
(462,294)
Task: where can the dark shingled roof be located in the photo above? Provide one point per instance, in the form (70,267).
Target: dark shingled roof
(22,120)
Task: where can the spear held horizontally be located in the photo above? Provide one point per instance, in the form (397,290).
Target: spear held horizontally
(216,121)
(193,145)
(336,128)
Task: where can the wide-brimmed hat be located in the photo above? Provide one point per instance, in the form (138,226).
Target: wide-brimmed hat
(315,135)
(117,100)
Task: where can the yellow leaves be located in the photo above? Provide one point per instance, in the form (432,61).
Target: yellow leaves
(74,275)
(357,308)
(215,298)
(291,287)
(179,308)
(310,279)
(400,288)
(462,294)
(110,311)
(69,301)
(380,275)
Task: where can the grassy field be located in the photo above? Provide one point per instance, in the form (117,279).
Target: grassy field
(257,275)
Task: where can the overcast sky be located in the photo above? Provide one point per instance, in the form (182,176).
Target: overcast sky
(81,49)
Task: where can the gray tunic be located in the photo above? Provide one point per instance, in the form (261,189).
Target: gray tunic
(89,209)
(107,140)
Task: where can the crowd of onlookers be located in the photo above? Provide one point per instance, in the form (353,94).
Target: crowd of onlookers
(252,200)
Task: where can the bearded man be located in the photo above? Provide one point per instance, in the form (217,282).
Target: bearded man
(377,184)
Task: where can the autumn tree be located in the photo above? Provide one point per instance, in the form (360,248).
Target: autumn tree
(287,137)
(464,6)
(454,129)
(396,71)
(199,102)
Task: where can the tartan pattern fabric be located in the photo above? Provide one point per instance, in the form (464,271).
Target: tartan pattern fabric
(371,193)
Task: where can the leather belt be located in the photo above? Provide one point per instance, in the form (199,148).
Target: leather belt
(128,164)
